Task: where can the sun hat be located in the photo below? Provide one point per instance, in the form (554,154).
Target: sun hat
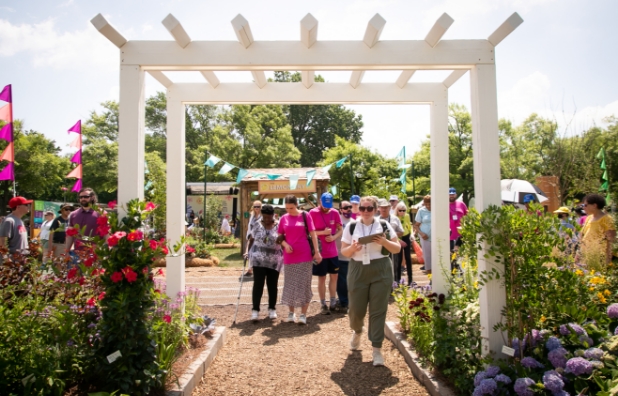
(529,198)
(49,212)
(355,199)
(562,209)
(327,200)
(383,202)
(393,198)
(16,201)
(452,191)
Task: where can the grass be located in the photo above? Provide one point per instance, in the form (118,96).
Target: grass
(229,257)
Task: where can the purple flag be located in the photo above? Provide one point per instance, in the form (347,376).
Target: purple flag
(77,157)
(6,94)
(77,127)
(6,132)
(8,173)
(77,186)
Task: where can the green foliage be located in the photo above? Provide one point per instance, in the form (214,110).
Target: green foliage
(157,192)
(415,317)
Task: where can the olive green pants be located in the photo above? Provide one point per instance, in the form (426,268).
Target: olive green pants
(369,285)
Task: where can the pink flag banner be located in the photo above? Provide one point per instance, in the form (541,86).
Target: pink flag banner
(77,128)
(75,173)
(77,158)
(77,143)
(77,186)
(6,94)
(6,114)
(7,155)
(8,173)
(6,132)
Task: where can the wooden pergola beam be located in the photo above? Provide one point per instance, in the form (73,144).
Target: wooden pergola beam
(162,78)
(176,30)
(505,29)
(372,36)
(107,30)
(438,30)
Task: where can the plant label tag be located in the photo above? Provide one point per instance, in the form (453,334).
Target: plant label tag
(113,357)
(508,351)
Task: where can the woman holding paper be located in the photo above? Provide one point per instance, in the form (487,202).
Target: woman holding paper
(370,275)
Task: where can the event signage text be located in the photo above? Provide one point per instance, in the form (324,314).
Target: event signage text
(283,187)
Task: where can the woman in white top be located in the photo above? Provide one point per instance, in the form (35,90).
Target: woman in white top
(370,275)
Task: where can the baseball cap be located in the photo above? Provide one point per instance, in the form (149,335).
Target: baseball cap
(355,199)
(562,209)
(393,198)
(383,202)
(327,200)
(529,198)
(452,190)
(49,212)
(16,201)
(66,206)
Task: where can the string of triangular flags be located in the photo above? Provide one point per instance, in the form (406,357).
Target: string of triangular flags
(605,177)
(77,172)
(6,133)
(242,173)
(404,168)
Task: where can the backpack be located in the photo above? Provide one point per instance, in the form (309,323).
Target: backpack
(352,225)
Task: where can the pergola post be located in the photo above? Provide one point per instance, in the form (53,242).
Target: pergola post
(175,200)
(130,135)
(492,297)
(440,254)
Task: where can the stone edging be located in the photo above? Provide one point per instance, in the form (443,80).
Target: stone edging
(194,373)
(434,386)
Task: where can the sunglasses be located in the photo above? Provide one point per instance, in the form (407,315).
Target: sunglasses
(346,207)
(257,207)
(84,196)
(401,210)
(366,208)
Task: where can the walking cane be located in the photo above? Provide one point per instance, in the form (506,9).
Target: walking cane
(242,277)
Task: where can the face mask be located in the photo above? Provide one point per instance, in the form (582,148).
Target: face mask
(347,215)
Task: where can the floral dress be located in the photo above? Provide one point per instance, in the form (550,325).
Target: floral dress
(265,252)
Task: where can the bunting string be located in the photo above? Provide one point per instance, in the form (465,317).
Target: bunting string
(7,133)
(77,172)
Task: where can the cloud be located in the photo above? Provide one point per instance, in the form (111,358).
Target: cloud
(146,27)
(49,47)
(528,95)
(66,3)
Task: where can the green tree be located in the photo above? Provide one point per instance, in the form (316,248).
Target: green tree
(157,177)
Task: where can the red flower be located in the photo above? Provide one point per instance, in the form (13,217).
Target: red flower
(129,274)
(91,302)
(165,250)
(157,291)
(72,231)
(149,207)
(116,277)
(72,273)
(112,241)
(135,236)
(81,281)
(153,244)
(112,204)
(167,319)
(89,261)
(190,249)
(159,272)
(102,220)
(145,270)
(101,296)
(103,230)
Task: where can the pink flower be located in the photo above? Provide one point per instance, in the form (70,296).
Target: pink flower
(167,319)
(101,296)
(190,249)
(81,281)
(72,231)
(116,277)
(135,236)
(120,234)
(145,270)
(112,204)
(150,207)
(159,272)
(129,274)
(72,273)
(112,241)
(91,302)
(102,220)
(153,244)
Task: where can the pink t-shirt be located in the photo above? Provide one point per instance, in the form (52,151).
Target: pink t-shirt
(322,220)
(295,235)
(457,210)
(582,220)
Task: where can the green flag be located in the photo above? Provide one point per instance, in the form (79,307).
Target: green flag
(601,153)
(604,186)
(604,177)
(603,163)
(608,199)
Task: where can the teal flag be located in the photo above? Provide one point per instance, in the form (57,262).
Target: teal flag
(340,162)
(402,158)
(226,168)
(212,161)
(402,179)
(333,190)
(310,175)
(293,182)
(326,168)
(273,177)
(255,175)
(241,174)
(147,186)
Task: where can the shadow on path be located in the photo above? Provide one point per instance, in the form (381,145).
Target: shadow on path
(358,378)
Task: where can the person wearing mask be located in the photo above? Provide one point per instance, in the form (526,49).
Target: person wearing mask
(13,232)
(599,232)
(86,217)
(296,231)
(370,275)
(457,210)
(256,217)
(405,242)
(44,233)
(355,201)
(267,259)
(422,226)
(393,200)
(57,234)
(342,280)
(327,223)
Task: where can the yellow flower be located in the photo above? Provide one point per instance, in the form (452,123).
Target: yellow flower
(464,264)
(597,280)
(591,272)
(607,292)
(591,288)
(454,271)
(601,298)
(543,319)
(476,284)
(579,272)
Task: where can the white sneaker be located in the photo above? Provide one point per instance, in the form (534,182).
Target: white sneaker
(255,316)
(272,314)
(302,320)
(356,340)
(378,359)
(291,318)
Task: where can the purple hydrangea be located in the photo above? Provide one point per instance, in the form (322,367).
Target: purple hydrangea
(481,375)
(516,345)
(492,371)
(531,363)
(579,366)
(557,357)
(563,330)
(536,336)
(503,378)
(553,343)
(488,386)
(477,392)
(612,311)
(553,381)
(616,331)
(562,393)
(578,329)
(522,386)
(593,353)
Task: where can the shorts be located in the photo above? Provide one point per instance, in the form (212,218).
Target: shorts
(327,266)
(456,242)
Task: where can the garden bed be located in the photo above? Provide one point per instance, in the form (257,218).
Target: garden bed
(227,245)
(212,261)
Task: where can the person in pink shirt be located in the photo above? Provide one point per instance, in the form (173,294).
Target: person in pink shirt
(457,210)
(328,227)
(295,229)
(581,215)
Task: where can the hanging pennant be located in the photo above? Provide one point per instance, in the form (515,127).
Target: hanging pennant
(77,128)
(7,155)
(333,190)
(241,174)
(77,186)
(402,179)
(603,163)
(293,182)
(326,168)
(76,143)
(273,177)
(6,94)
(601,153)
(604,177)
(147,186)
(8,173)
(340,162)
(604,186)
(6,132)
(310,174)
(77,157)
(6,114)
(226,168)
(75,173)
(146,171)
(212,161)
(276,201)
(256,175)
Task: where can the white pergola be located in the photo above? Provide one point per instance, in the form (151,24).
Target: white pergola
(310,55)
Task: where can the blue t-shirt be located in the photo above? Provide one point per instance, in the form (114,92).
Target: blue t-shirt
(423,216)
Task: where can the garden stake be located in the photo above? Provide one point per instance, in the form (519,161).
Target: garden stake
(242,277)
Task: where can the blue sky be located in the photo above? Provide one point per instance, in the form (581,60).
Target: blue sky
(561,62)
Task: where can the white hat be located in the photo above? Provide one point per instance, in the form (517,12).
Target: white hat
(393,198)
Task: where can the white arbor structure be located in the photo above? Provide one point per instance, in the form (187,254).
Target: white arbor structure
(309,55)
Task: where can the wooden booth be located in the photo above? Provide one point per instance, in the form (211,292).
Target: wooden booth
(278,188)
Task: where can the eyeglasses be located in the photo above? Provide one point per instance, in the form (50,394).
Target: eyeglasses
(365,208)
(346,207)
(84,196)
(401,210)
